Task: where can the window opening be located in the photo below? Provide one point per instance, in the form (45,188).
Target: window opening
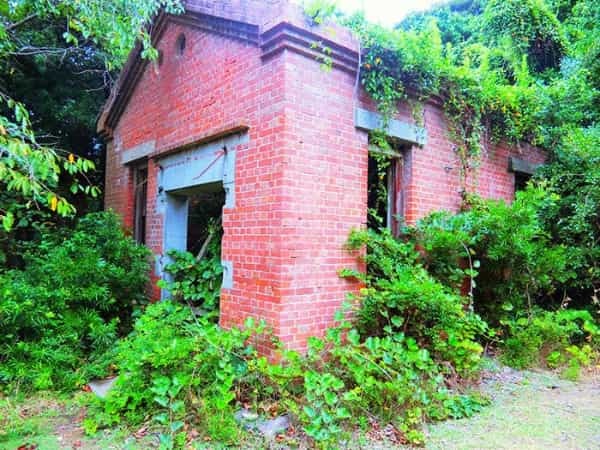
(140,180)
(385,187)
(180,44)
(521,180)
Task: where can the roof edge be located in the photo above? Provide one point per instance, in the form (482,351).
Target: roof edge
(287,33)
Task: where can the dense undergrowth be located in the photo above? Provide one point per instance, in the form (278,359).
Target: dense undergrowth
(184,372)
(63,312)
(520,279)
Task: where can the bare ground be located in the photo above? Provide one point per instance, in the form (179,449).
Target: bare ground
(529,410)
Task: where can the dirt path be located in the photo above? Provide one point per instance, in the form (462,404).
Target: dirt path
(530,410)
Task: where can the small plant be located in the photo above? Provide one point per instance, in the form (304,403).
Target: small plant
(196,280)
(320,10)
(166,392)
(324,410)
(578,357)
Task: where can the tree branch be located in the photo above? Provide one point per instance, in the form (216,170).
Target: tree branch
(21,22)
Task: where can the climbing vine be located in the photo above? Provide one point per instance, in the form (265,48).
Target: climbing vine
(479,101)
(488,93)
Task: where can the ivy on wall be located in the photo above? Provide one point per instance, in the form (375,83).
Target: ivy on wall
(486,83)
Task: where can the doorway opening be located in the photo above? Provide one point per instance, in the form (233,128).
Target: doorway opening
(205,209)
(194,270)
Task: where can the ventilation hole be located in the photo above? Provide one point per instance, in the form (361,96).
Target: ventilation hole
(180,46)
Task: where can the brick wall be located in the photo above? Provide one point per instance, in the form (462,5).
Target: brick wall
(301,180)
(325,188)
(431,175)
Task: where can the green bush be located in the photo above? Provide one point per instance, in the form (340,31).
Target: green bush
(401,297)
(574,219)
(504,247)
(551,338)
(177,368)
(63,312)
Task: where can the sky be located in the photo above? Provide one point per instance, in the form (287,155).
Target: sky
(386,12)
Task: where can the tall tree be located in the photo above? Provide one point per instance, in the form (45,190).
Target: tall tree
(56,59)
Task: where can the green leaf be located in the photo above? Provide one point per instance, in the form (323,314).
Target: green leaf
(162,401)
(353,337)
(176,426)
(7,221)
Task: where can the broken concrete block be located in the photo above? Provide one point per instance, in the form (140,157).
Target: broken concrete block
(269,428)
(102,387)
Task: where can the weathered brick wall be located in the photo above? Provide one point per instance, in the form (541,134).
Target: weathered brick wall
(325,175)
(301,180)
(221,82)
(431,176)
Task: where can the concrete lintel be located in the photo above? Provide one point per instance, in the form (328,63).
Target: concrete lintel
(140,151)
(522,166)
(208,163)
(369,120)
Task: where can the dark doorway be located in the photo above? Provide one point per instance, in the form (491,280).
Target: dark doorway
(204,217)
(140,180)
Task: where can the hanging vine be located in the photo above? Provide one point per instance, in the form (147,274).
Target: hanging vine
(486,95)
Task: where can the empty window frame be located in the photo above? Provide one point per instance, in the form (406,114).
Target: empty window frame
(140,183)
(521,180)
(523,171)
(385,188)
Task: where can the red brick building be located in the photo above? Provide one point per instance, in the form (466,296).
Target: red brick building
(238,101)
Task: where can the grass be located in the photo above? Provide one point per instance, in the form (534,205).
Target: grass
(53,421)
(529,410)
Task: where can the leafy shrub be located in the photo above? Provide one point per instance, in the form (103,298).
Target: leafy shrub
(401,297)
(511,254)
(574,219)
(177,368)
(555,337)
(196,281)
(67,307)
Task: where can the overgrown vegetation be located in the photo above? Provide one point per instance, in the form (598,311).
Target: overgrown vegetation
(400,297)
(517,276)
(196,279)
(521,279)
(509,257)
(186,373)
(64,311)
